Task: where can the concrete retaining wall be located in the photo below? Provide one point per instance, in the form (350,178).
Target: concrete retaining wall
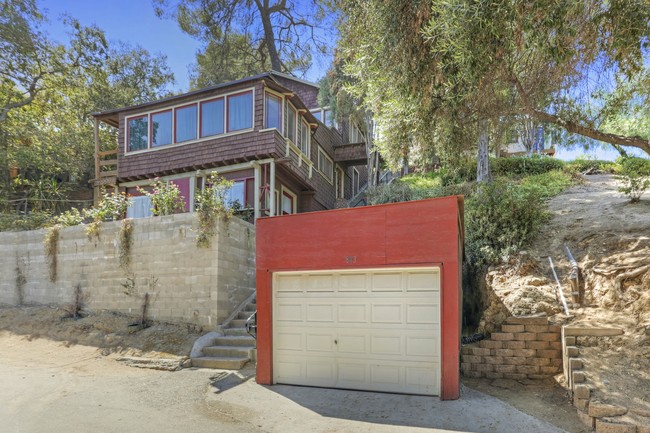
(185,283)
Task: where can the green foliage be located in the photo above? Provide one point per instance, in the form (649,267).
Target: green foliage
(51,244)
(111,207)
(634,177)
(18,222)
(547,185)
(166,198)
(583,165)
(125,244)
(525,165)
(500,219)
(389,193)
(69,218)
(211,205)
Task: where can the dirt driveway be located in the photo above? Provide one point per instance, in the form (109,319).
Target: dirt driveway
(50,387)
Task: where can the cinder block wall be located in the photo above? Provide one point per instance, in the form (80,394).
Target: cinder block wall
(185,283)
(526,347)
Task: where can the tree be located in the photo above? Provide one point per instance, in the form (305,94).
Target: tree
(436,70)
(244,36)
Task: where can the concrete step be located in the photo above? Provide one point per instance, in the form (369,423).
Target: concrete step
(228,351)
(234,340)
(236,332)
(221,363)
(245,314)
(237,323)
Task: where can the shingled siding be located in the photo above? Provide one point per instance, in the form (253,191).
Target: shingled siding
(307,94)
(183,157)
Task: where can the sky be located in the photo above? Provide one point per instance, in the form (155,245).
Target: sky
(134,21)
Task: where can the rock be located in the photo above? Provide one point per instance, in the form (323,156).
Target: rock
(598,409)
(606,426)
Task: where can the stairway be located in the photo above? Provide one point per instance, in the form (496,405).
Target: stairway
(233,349)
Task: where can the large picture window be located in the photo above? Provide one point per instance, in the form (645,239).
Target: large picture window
(240,111)
(161,128)
(273,110)
(212,114)
(186,123)
(138,133)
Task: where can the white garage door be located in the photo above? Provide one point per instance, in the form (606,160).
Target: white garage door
(375,329)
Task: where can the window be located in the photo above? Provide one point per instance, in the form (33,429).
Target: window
(242,192)
(355,181)
(328,119)
(240,111)
(304,138)
(161,128)
(325,165)
(340,183)
(212,117)
(291,124)
(318,114)
(185,123)
(138,133)
(288,202)
(273,110)
(355,135)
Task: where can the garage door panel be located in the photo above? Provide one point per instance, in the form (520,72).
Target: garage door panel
(286,312)
(352,312)
(373,330)
(321,312)
(318,342)
(386,313)
(428,314)
(289,341)
(386,282)
(289,283)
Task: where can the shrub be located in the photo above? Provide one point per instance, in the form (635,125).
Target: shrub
(501,218)
(111,207)
(634,176)
(69,218)
(31,221)
(518,166)
(211,205)
(583,165)
(547,185)
(389,193)
(166,198)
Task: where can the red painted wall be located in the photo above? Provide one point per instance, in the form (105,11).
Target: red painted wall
(426,232)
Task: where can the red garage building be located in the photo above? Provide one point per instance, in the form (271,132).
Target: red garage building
(366,298)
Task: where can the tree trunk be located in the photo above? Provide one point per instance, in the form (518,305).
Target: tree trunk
(483,162)
(269,38)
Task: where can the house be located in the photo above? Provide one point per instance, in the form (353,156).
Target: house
(266,133)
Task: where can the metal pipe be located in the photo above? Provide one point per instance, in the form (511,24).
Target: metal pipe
(559,287)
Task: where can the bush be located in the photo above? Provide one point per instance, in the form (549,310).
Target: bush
(111,207)
(583,165)
(210,205)
(547,185)
(31,221)
(389,193)
(500,219)
(634,176)
(518,166)
(166,198)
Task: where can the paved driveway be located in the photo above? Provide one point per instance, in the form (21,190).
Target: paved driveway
(47,387)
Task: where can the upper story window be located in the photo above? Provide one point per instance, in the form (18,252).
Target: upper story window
(161,128)
(273,111)
(292,115)
(305,138)
(189,122)
(212,115)
(240,111)
(185,123)
(138,133)
(318,114)
(325,115)
(339,185)
(325,165)
(354,133)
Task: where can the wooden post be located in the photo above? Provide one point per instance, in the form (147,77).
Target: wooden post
(96,149)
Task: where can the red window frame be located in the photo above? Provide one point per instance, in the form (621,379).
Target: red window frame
(194,104)
(223,98)
(227,107)
(150,140)
(127,144)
